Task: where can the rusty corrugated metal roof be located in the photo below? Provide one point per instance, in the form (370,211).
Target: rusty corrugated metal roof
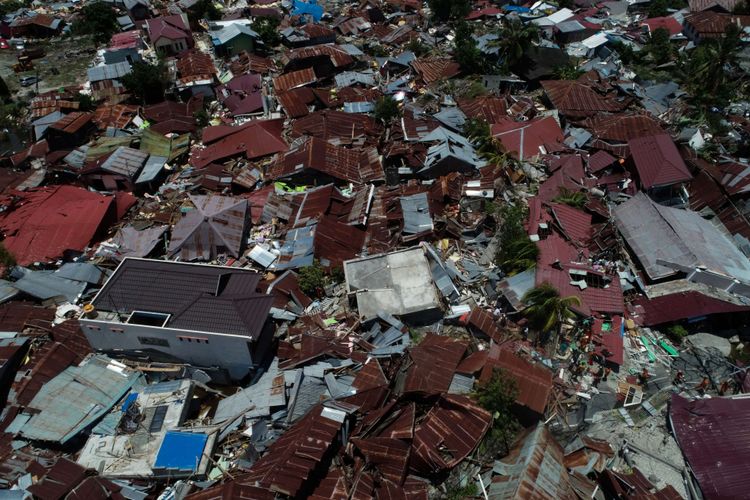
(534,381)
(455,423)
(294,79)
(436,69)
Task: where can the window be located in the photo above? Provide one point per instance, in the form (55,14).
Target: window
(153,341)
(90,327)
(199,340)
(148,318)
(158,419)
(116,330)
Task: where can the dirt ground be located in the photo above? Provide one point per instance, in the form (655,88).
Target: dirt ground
(65,63)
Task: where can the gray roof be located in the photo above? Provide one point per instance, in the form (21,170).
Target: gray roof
(109,71)
(452,118)
(48,285)
(125,161)
(151,169)
(359,107)
(75,399)
(134,243)
(257,400)
(395,283)
(665,238)
(76,158)
(198,297)
(227,33)
(416,210)
(216,225)
(348,78)
(41,124)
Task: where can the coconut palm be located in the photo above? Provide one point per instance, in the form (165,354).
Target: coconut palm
(519,255)
(545,308)
(515,38)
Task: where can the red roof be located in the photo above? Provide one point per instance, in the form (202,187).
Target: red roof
(352,165)
(434,360)
(557,258)
(254,139)
(714,435)
(169,27)
(575,224)
(534,380)
(125,40)
(658,162)
(579,98)
(294,79)
(487,11)
(609,343)
(599,161)
(436,69)
(685,305)
(529,139)
(668,23)
(40,224)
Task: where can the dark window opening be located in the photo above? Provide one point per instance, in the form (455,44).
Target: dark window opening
(158,420)
(147,318)
(153,341)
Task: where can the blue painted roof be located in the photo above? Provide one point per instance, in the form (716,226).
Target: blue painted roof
(310,8)
(181,451)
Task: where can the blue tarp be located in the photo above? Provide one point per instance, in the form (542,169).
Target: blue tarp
(181,451)
(309,8)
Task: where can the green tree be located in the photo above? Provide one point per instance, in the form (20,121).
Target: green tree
(545,309)
(466,52)
(707,69)
(4,90)
(677,333)
(7,259)
(626,52)
(203,9)
(477,130)
(569,71)
(85,102)
(417,47)
(312,279)
(97,19)
(575,199)
(518,256)
(515,38)
(444,10)
(8,6)
(658,8)
(146,82)
(268,29)
(742,8)
(659,46)
(498,395)
(386,110)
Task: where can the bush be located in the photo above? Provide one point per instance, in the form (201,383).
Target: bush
(146,82)
(677,333)
(312,279)
(97,19)
(268,29)
(498,395)
(6,258)
(386,110)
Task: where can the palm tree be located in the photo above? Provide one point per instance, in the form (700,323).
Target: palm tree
(545,308)
(520,255)
(515,38)
(575,199)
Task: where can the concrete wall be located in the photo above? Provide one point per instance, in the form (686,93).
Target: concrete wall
(167,46)
(226,351)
